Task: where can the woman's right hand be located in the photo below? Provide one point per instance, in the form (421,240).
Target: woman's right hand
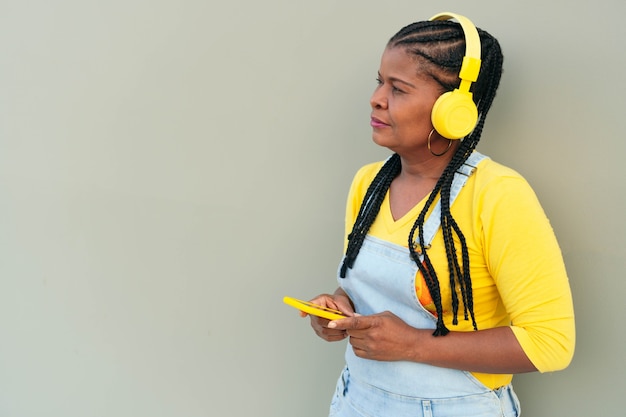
(338,301)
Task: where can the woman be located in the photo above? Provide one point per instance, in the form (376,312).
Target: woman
(437,231)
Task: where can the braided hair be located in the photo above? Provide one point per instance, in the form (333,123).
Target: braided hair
(438,48)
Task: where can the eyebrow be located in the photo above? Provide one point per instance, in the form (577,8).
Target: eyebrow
(398,80)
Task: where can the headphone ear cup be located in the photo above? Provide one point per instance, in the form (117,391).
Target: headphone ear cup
(454,114)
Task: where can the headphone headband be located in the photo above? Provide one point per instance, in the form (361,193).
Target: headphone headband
(471,61)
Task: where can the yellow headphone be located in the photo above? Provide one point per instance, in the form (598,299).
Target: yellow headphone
(454,114)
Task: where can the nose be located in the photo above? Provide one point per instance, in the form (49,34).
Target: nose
(378,100)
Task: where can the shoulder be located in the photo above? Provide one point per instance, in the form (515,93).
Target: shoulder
(502,192)
(368,172)
(497,180)
(489,170)
(364,177)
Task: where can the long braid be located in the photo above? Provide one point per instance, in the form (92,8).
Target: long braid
(438,48)
(369,210)
(492,62)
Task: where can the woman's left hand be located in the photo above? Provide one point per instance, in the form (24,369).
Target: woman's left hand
(382,337)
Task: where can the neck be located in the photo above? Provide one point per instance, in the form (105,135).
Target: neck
(428,167)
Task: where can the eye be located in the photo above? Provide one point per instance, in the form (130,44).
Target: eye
(394,88)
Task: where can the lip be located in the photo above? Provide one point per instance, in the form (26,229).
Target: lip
(377,123)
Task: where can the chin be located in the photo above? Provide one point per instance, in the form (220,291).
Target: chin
(377,139)
(381,141)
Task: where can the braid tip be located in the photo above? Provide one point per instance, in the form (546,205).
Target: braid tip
(343,270)
(441,330)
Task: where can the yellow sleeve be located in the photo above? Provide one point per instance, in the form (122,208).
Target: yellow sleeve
(521,254)
(527,265)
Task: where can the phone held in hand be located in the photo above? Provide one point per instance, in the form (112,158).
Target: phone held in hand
(316,310)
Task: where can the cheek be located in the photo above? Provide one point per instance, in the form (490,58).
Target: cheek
(414,113)
(414,122)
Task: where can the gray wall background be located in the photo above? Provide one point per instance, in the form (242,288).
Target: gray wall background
(170,169)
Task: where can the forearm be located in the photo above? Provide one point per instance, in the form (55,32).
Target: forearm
(495,351)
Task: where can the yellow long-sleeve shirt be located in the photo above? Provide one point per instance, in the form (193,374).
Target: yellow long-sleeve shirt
(517,270)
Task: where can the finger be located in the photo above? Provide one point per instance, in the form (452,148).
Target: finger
(361,353)
(351,323)
(338,305)
(336,336)
(344,306)
(330,334)
(323,300)
(318,322)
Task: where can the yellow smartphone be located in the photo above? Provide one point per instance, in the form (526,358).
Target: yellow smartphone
(316,310)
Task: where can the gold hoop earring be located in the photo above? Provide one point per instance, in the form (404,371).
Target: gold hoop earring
(430,135)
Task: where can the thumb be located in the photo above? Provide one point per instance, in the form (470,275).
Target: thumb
(354,322)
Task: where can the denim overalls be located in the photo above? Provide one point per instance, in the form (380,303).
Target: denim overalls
(383,278)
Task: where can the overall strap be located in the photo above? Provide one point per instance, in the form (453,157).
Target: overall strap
(432,223)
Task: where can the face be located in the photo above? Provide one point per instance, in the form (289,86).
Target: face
(402,104)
